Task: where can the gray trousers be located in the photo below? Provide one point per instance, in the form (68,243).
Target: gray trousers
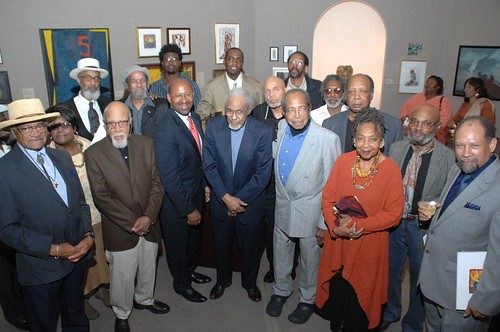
(439,319)
(284,249)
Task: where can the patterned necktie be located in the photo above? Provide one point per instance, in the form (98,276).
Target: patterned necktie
(93,118)
(235,85)
(194,132)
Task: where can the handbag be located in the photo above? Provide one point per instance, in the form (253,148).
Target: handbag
(348,205)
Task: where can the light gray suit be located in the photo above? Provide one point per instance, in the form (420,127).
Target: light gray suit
(470,223)
(298,208)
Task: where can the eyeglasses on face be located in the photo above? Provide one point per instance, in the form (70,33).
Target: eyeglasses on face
(61,125)
(332,90)
(300,110)
(230,112)
(89,78)
(298,63)
(179,96)
(119,124)
(37,128)
(171,59)
(425,124)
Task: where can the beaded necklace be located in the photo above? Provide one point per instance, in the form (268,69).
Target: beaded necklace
(368,175)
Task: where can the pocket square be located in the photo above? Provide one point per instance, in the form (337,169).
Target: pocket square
(472,206)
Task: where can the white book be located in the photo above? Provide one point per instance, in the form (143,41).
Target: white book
(469,271)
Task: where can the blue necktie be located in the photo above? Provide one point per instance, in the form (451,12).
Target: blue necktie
(456,189)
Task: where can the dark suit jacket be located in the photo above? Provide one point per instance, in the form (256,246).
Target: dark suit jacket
(180,167)
(393,126)
(151,118)
(121,194)
(103,101)
(252,171)
(314,90)
(33,216)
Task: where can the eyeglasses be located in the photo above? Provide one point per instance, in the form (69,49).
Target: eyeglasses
(179,96)
(119,124)
(38,128)
(332,90)
(300,110)
(239,112)
(362,92)
(62,125)
(88,78)
(298,63)
(171,59)
(425,124)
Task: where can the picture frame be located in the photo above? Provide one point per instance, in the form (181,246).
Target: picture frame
(188,69)
(155,71)
(217,72)
(180,37)
(61,50)
(478,61)
(274,53)
(414,48)
(288,50)
(1,61)
(281,72)
(5,93)
(226,35)
(148,41)
(412,76)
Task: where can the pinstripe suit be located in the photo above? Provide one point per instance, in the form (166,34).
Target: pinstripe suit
(298,209)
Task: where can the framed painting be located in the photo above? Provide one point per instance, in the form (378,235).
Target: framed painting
(478,61)
(180,37)
(227,35)
(5,94)
(281,72)
(217,72)
(155,71)
(412,76)
(274,53)
(287,51)
(61,50)
(188,69)
(148,42)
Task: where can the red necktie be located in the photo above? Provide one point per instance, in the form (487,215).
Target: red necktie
(194,132)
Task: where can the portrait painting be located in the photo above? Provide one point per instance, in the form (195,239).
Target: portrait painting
(148,42)
(180,37)
(227,35)
(412,76)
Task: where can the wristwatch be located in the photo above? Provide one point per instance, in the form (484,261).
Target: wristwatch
(89,234)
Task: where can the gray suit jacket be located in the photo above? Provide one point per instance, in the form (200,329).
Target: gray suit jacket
(298,204)
(393,126)
(461,228)
(216,91)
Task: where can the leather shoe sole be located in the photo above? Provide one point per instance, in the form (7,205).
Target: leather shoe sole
(217,291)
(199,278)
(157,307)
(254,294)
(302,313)
(275,305)
(192,295)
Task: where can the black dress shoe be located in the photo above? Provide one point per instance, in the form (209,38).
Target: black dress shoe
(254,294)
(384,325)
(269,277)
(302,313)
(192,295)
(199,278)
(275,305)
(121,325)
(218,290)
(21,323)
(157,307)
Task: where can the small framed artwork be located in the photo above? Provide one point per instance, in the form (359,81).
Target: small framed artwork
(478,61)
(288,50)
(5,94)
(217,72)
(227,35)
(180,37)
(414,49)
(155,71)
(281,72)
(148,41)
(274,53)
(412,76)
(188,69)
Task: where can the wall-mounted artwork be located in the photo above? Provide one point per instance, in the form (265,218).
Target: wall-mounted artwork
(217,72)
(148,42)
(414,49)
(281,72)
(180,37)
(288,50)
(188,69)
(155,71)
(227,35)
(5,94)
(482,62)
(412,76)
(61,50)
(274,53)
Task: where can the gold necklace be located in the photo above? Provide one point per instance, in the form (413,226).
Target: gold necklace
(369,175)
(80,148)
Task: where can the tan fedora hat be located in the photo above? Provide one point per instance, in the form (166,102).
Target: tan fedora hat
(87,64)
(26,111)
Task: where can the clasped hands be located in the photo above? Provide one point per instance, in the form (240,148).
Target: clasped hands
(347,228)
(72,253)
(234,205)
(141,225)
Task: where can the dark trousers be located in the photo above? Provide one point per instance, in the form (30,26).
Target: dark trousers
(11,298)
(248,237)
(269,226)
(44,303)
(183,247)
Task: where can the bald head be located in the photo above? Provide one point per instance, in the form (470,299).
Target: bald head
(180,96)
(118,123)
(274,90)
(114,109)
(428,111)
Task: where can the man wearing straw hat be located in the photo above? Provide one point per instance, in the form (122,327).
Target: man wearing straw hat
(88,104)
(44,217)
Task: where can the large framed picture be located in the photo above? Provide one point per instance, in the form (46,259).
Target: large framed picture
(154,69)
(148,41)
(5,94)
(61,50)
(227,35)
(281,72)
(180,37)
(412,76)
(288,50)
(188,69)
(482,62)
